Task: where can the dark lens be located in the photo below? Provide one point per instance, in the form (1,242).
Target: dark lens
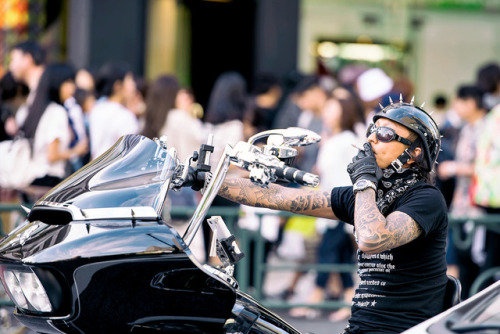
(370,130)
(385,134)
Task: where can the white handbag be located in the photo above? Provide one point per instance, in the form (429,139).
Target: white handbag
(16,165)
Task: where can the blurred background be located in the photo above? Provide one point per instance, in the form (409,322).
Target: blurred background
(429,48)
(436,44)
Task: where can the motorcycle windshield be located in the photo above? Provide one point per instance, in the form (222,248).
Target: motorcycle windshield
(134,173)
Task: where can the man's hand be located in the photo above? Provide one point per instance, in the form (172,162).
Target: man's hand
(364,166)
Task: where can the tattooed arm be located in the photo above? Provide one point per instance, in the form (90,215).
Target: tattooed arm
(374,232)
(302,201)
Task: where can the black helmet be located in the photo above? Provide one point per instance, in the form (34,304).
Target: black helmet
(419,121)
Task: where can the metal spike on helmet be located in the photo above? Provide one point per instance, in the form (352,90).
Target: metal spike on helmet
(429,135)
(381,107)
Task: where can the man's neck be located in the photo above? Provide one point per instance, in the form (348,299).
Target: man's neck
(116,98)
(34,77)
(477,115)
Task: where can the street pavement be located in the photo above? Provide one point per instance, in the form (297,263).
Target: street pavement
(320,325)
(317,326)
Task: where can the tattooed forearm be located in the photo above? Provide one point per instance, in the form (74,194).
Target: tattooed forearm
(245,192)
(302,201)
(235,191)
(374,232)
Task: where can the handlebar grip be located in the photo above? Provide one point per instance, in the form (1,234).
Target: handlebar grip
(298,176)
(194,179)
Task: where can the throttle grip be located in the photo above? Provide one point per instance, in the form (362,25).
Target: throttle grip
(297,176)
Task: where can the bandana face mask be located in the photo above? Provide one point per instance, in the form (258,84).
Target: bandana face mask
(395,184)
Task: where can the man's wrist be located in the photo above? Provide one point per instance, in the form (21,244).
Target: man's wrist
(363,184)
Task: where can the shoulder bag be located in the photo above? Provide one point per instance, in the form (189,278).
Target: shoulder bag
(16,165)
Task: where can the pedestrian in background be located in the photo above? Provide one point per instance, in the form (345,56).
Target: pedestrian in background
(263,106)
(336,245)
(469,107)
(371,86)
(47,123)
(486,178)
(109,119)
(227,106)
(488,79)
(27,63)
(13,95)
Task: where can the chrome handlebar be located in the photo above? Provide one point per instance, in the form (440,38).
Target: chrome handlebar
(265,165)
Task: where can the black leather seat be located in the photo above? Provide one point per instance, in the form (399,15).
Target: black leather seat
(453,292)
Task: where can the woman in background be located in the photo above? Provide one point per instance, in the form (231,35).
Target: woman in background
(226,109)
(160,100)
(167,115)
(47,123)
(337,243)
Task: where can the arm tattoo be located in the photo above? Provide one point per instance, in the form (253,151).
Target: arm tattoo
(374,232)
(301,201)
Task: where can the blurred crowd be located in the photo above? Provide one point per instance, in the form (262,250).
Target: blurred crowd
(73,115)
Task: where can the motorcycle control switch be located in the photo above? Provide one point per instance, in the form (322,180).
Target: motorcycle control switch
(225,243)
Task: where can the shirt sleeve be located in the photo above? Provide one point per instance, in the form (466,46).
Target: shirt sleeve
(54,125)
(130,125)
(342,200)
(426,206)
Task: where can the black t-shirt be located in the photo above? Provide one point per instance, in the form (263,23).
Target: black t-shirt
(404,286)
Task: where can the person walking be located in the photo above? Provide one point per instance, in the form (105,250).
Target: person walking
(336,245)
(109,119)
(470,108)
(27,63)
(48,126)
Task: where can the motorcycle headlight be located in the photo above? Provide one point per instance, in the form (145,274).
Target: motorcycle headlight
(12,285)
(26,290)
(34,291)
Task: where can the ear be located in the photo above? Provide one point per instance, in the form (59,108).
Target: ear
(416,152)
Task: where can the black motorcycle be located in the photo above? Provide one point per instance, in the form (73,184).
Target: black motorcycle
(95,256)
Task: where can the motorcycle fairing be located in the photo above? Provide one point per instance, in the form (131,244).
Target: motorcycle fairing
(198,300)
(156,284)
(130,180)
(138,275)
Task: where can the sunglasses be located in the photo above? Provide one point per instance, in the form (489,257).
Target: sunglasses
(385,134)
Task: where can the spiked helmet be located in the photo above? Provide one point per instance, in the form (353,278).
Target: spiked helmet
(419,121)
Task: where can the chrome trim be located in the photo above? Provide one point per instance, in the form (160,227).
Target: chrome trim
(293,136)
(207,269)
(136,212)
(160,201)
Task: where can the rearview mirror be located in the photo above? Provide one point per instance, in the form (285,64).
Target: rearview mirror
(292,137)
